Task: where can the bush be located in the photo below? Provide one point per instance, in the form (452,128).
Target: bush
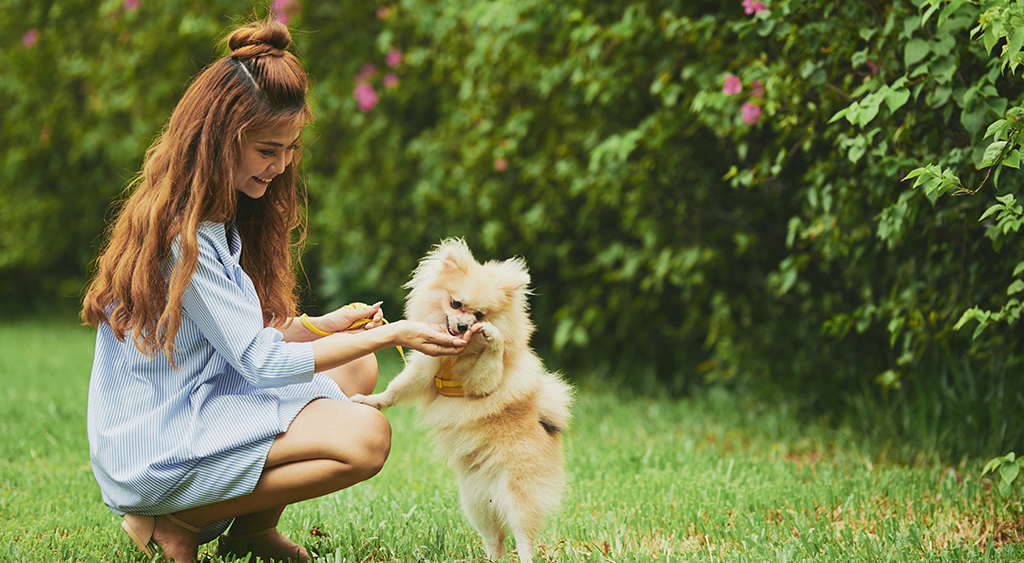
(705,193)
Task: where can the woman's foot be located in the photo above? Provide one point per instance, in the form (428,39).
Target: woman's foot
(267,544)
(178,541)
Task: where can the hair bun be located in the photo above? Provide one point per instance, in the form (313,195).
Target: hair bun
(259,38)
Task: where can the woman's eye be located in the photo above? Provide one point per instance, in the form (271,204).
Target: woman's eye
(456,304)
(267,153)
(479,315)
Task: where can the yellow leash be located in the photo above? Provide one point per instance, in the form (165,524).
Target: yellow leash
(309,325)
(361,322)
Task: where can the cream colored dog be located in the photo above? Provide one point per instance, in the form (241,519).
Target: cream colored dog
(494,410)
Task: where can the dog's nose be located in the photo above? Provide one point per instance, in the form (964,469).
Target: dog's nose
(463,327)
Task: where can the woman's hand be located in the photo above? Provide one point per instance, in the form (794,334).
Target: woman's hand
(430,339)
(358,318)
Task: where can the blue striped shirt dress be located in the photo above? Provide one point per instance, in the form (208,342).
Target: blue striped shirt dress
(163,439)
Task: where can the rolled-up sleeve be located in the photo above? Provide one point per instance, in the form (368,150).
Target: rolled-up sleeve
(222,303)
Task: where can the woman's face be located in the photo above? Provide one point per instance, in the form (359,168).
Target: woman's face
(265,154)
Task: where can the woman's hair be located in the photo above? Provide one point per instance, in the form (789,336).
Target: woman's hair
(188,178)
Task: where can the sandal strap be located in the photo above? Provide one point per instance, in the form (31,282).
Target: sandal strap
(183,523)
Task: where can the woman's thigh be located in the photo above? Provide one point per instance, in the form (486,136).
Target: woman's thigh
(335,430)
(358,377)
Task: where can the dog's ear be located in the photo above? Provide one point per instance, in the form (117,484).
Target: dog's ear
(454,255)
(513,275)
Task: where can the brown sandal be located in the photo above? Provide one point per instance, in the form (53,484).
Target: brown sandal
(140,529)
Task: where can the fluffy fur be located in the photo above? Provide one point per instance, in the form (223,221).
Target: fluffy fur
(504,439)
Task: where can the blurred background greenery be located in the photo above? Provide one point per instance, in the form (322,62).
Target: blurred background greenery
(692,214)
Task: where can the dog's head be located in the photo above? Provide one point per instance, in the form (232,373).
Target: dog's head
(450,288)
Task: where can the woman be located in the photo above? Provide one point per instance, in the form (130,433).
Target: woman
(209,401)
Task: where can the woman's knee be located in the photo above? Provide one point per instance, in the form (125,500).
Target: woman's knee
(358,377)
(373,443)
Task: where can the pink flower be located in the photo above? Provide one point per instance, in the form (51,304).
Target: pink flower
(383,12)
(131,5)
(732,85)
(756,89)
(872,66)
(753,7)
(368,71)
(394,58)
(281,10)
(30,37)
(366,97)
(391,80)
(750,113)
(500,164)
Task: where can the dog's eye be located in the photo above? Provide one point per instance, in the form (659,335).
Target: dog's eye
(456,304)
(479,315)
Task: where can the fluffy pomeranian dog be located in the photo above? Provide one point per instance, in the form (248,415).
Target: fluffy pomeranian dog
(493,410)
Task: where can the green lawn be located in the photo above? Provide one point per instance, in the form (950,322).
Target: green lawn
(703,479)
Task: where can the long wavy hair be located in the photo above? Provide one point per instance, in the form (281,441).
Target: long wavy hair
(188,177)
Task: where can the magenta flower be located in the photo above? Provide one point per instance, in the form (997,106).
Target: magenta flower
(368,71)
(131,5)
(756,89)
(394,58)
(366,97)
(391,80)
(732,85)
(750,113)
(30,37)
(872,66)
(753,7)
(500,164)
(282,9)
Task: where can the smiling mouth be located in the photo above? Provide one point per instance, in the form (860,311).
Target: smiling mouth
(264,181)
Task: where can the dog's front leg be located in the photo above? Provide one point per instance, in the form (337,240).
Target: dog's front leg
(488,368)
(414,380)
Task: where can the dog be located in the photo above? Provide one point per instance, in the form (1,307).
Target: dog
(494,410)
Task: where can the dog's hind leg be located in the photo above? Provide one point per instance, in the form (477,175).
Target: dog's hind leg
(483,513)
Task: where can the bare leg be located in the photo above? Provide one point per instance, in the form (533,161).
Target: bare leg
(331,445)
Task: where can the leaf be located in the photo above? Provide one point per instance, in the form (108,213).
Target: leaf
(1014,45)
(840,113)
(896,98)
(915,173)
(949,9)
(995,129)
(916,50)
(992,464)
(992,153)
(1015,287)
(991,210)
(990,39)
(967,316)
(1012,160)
(1018,269)
(1009,472)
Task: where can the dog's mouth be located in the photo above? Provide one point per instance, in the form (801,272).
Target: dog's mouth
(453,331)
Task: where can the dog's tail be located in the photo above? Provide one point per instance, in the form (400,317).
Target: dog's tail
(553,401)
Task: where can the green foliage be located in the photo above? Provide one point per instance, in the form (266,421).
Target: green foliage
(1008,469)
(761,238)
(648,479)
(81,105)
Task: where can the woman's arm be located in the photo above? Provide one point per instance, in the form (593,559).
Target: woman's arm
(337,321)
(343,347)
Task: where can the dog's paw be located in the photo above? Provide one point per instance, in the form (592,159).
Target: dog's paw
(490,334)
(376,401)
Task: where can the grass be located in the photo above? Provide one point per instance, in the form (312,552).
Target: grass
(710,478)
